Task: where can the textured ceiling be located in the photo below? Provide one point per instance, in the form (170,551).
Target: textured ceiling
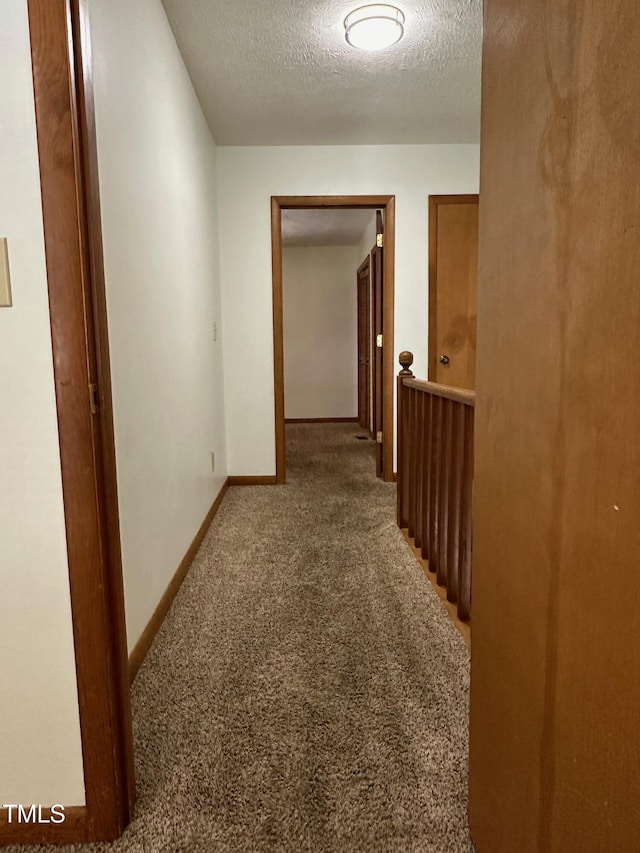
(325,227)
(279,72)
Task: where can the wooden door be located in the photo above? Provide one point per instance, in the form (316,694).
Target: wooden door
(453,279)
(364,345)
(377,261)
(555,686)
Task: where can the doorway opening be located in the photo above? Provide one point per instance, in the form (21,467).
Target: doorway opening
(381,267)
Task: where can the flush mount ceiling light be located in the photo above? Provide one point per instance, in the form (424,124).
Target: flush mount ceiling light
(374,27)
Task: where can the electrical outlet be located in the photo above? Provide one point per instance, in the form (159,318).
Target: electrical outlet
(213,461)
(215,331)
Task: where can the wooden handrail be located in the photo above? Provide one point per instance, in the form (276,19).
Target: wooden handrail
(435,478)
(458,395)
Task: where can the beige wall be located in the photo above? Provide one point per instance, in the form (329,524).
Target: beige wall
(40,751)
(157,165)
(320,331)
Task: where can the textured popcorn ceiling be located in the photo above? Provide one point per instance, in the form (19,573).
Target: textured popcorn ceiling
(325,227)
(279,72)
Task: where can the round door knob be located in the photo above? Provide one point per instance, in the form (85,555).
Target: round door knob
(444,359)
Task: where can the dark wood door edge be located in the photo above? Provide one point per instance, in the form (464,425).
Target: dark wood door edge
(363,300)
(98,325)
(60,52)
(372,202)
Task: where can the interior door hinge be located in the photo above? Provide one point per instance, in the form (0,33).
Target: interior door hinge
(380,241)
(93,398)
(379,341)
(379,437)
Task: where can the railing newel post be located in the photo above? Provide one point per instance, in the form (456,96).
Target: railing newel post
(406,360)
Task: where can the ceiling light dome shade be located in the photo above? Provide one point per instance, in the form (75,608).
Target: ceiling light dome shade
(374,27)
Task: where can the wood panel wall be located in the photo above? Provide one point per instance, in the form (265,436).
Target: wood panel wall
(555,695)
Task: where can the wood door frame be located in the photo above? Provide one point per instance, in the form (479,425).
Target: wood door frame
(334,202)
(365,266)
(434,202)
(377,327)
(65,124)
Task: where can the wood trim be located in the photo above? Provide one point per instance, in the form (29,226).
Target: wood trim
(464,628)
(387,202)
(321,420)
(141,648)
(434,202)
(458,395)
(278,338)
(301,202)
(74,828)
(259,480)
(62,86)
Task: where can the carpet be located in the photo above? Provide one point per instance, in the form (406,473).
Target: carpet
(307,691)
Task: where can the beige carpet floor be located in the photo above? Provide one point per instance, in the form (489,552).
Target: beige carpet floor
(307,692)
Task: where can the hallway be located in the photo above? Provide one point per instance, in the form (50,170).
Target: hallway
(307,691)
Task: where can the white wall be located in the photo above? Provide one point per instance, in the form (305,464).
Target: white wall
(320,317)
(158,187)
(40,749)
(247,178)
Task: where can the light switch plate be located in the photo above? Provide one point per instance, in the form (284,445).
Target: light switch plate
(5,278)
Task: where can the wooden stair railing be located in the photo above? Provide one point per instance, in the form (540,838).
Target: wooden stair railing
(435,478)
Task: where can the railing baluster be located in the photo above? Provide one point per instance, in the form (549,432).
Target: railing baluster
(407,452)
(426,474)
(420,442)
(436,460)
(464,599)
(444,496)
(407,471)
(453,538)
(413,478)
